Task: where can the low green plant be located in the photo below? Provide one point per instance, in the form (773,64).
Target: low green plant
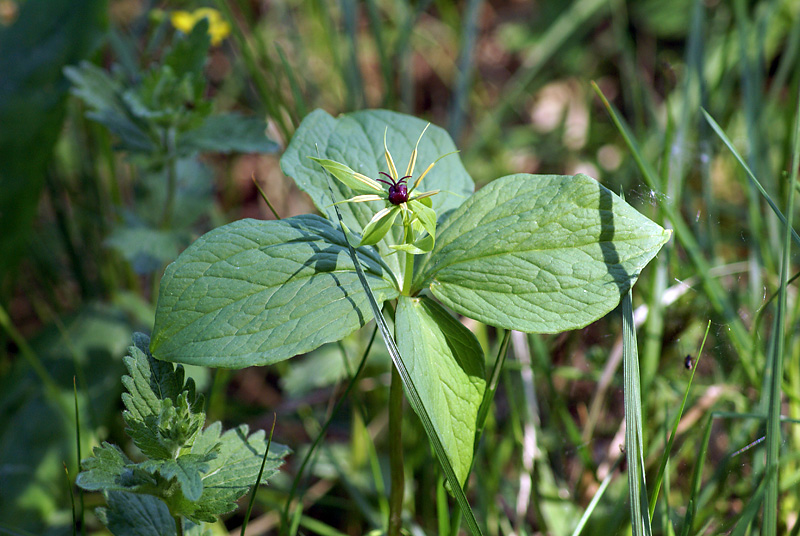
(535,253)
(163,121)
(190,475)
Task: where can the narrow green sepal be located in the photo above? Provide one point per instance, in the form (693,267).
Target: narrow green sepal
(425,215)
(352,179)
(352,238)
(419,247)
(378,226)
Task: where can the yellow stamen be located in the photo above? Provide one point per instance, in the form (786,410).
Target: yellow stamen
(419,180)
(413,160)
(389,161)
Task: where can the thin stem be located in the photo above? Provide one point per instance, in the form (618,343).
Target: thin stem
(408,271)
(178,525)
(396,454)
(172,177)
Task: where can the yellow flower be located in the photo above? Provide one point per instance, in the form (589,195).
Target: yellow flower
(218,28)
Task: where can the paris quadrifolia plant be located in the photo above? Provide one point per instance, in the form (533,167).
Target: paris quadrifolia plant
(534,253)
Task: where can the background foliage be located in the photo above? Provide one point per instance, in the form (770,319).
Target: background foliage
(86,240)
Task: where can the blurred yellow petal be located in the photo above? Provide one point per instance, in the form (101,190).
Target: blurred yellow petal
(218,28)
(182,21)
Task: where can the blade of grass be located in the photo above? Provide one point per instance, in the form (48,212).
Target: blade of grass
(750,511)
(300,106)
(413,396)
(729,144)
(375,25)
(258,478)
(770,523)
(491,387)
(668,448)
(697,475)
(79,456)
(634,439)
(352,73)
(321,434)
(266,93)
(596,499)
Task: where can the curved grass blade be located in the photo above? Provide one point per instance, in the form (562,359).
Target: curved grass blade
(312,449)
(729,144)
(776,357)
(414,398)
(596,499)
(668,448)
(258,478)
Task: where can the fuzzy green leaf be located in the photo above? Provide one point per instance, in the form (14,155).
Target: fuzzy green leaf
(206,471)
(257,292)
(232,473)
(130,514)
(162,412)
(446,364)
(186,469)
(110,470)
(539,253)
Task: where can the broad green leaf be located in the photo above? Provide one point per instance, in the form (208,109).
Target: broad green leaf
(379,226)
(445,362)
(539,253)
(356,140)
(257,292)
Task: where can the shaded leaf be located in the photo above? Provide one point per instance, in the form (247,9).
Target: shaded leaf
(129,514)
(446,364)
(228,133)
(257,292)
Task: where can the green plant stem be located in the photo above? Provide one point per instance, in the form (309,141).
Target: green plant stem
(172,177)
(396,454)
(408,269)
(178,525)
(775,364)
